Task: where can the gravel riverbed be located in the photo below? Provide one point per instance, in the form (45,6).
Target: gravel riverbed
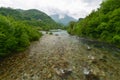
(61,57)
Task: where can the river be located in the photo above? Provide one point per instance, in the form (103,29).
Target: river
(60,56)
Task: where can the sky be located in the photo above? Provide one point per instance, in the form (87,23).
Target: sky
(74,8)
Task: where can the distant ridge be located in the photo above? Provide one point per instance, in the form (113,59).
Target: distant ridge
(63,19)
(32,17)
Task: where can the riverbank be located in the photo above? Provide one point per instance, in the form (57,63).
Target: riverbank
(60,57)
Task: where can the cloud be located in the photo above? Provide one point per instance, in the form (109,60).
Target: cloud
(74,8)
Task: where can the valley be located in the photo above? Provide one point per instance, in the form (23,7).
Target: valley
(47,58)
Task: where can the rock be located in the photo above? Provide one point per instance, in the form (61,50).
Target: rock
(25,76)
(49,75)
(91,76)
(91,57)
(58,72)
(56,34)
(86,71)
(63,72)
(88,48)
(68,71)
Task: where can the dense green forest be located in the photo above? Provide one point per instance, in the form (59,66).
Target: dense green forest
(15,36)
(102,24)
(19,27)
(31,17)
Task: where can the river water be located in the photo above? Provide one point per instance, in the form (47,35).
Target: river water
(62,57)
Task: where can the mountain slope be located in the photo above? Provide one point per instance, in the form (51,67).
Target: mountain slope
(103,24)
(37,15)
(31,17)
(63,19)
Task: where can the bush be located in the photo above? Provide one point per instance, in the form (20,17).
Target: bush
(102,24)
(15,36)
(116,39)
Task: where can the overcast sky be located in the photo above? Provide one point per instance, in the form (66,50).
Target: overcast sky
(74,8)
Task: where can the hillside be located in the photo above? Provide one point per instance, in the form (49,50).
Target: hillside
(19,27)
(64,19)
(15,36)
(103,24)
(31,17)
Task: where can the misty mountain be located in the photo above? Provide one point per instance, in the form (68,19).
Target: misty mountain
(63,19)
(32,17)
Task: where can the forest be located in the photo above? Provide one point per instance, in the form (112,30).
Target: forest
(32,17)
(15,36)
(19,27)
(35,47)
(102,24)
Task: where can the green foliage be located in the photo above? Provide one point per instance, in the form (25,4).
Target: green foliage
(31,17)
(103,24)
(15,36)
(116,39)
(19,27)
(71,27)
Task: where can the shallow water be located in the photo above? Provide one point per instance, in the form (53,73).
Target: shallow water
(45,58)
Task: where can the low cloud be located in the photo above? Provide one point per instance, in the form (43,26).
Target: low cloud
(74,8)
